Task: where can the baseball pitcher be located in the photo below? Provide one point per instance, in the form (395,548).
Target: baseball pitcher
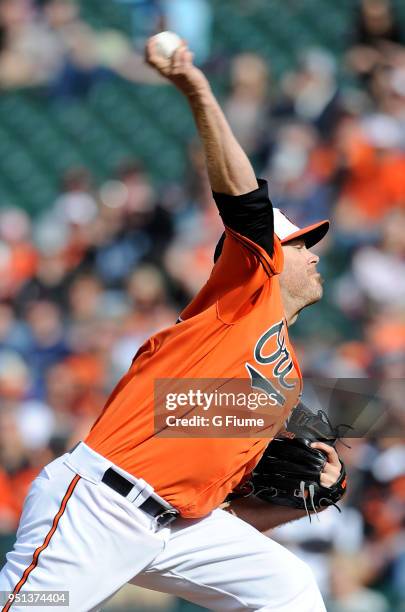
(127,505)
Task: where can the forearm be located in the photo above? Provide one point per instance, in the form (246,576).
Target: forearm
(229,168)
(262,515)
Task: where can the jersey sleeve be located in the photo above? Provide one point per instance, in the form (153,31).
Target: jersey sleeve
(250,254)
(236,278)
(250,215)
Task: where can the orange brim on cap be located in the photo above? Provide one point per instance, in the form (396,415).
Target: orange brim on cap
(286,230)
(311,234)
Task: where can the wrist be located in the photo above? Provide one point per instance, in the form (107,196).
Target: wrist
(195,87)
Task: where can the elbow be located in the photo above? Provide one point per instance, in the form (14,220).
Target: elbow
(238,186)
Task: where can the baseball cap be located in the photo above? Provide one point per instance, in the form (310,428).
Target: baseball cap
(286,230)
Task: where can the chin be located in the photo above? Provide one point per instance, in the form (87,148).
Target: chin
(316,295)
(319,292)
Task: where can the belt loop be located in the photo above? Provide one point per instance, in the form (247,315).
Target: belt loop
(139,492)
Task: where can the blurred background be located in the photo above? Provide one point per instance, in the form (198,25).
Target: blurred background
(107,228)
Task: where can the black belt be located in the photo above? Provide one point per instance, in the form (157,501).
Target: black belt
(162,515)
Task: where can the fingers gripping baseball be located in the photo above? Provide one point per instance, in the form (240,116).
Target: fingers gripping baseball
(182,60)
(332,469)
(178,61)
(178,68)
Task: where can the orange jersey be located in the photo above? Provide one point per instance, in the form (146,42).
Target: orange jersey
(234,328)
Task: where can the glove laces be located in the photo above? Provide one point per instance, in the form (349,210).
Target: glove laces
(311,492)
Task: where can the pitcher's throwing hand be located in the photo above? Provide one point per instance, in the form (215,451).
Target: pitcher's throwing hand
(179,68)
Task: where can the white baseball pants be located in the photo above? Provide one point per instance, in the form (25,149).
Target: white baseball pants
(76,534)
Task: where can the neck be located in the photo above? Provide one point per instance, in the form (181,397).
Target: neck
(291,309)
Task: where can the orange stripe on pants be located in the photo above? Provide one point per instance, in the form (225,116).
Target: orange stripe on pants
(48,537)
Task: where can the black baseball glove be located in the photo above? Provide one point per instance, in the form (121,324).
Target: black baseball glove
(289,472)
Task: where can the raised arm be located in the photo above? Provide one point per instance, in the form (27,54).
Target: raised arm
(229,169)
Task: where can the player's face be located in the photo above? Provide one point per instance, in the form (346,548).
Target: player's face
(300,281)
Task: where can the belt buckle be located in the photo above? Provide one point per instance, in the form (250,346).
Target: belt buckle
(165,518)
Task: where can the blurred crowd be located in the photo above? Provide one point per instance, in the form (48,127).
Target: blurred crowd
(107,265)
(47,43)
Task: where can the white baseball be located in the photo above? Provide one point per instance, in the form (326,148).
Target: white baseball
(167,43)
